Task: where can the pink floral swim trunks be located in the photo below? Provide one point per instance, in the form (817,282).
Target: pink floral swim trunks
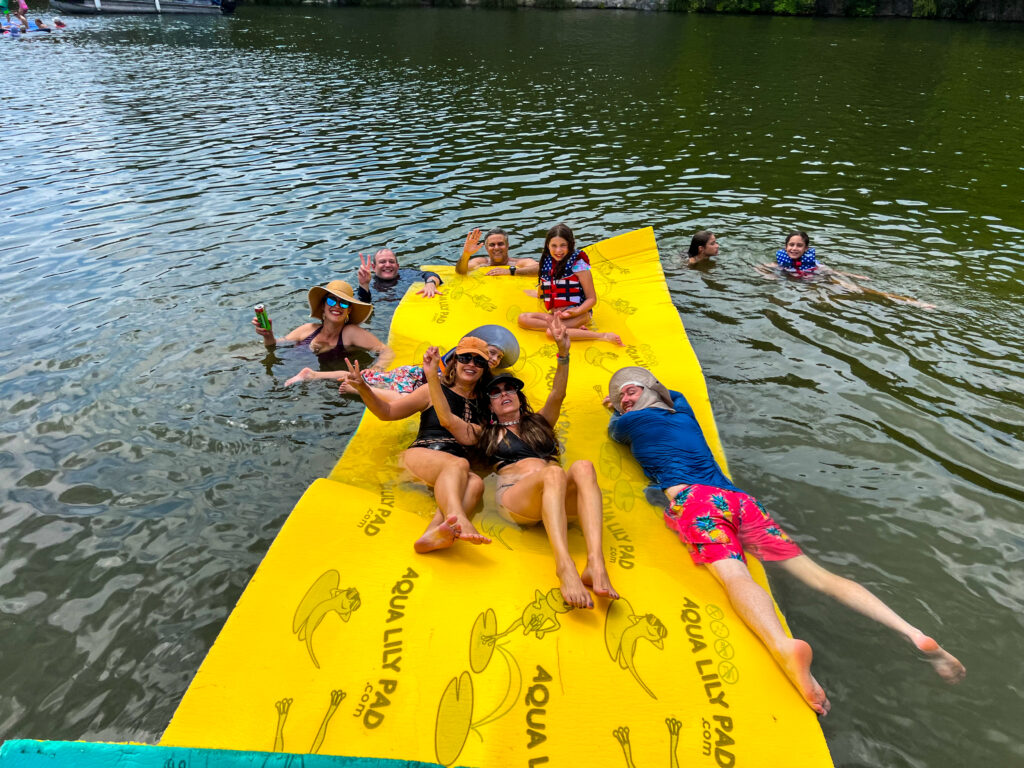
(716,524)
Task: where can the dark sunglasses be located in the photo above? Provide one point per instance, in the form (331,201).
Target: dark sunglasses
(499,389)
(330,301)
(468,357)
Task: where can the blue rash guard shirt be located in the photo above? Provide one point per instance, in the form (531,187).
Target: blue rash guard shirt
(669,446)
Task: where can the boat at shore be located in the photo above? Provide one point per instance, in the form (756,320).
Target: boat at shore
(143,6)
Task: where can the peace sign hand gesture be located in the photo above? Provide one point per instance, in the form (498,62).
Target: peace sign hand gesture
(365,271)
(355,383)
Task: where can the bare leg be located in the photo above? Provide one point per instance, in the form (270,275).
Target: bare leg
(755,607)
(541,321)
(857,597)
(534,321)
(544,490)
(583,333)
(449,475)
(583,500)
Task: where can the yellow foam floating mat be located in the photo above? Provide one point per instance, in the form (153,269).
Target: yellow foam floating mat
(346,642)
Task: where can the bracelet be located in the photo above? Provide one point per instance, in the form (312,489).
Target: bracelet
(563,358)
(512,269)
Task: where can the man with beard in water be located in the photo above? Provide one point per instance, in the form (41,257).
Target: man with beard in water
(383,274)
(717,522)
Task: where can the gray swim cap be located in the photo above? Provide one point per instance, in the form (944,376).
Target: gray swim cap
(655,394)
(502,338)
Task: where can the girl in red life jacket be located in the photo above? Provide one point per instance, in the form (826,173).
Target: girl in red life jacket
(566,287)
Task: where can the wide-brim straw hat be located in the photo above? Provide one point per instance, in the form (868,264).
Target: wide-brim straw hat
(339,289)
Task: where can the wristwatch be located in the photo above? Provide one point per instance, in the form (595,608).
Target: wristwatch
(512,269)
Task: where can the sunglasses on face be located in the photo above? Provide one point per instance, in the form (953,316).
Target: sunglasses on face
(501,389)
(333,302)
(467,358)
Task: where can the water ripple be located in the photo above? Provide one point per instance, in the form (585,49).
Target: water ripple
(151,451)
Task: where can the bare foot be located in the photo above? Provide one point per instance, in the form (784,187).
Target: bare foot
(469,533)
(573,591)
(596,578)
(304,375)
(614,338)
(795,660)
(440,536)
(947,665)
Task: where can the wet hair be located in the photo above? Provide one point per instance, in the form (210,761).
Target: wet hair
(797,233)
(700,240)
(534,430)
(497,231)
(562,231)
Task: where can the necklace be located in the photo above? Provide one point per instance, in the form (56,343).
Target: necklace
(508,423)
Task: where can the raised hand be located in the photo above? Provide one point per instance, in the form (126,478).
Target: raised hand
(560,334)
(431,361)
(266,333)
(365,271)
(472,243)
(356,382)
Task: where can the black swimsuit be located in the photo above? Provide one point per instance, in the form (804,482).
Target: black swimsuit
(432,435)
(513,448)
(328,355)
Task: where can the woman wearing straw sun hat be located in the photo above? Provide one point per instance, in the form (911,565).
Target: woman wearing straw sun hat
(338,332)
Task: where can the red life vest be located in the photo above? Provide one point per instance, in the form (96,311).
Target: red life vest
(566,291)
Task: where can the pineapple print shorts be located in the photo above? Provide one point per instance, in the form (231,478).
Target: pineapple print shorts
(716,524)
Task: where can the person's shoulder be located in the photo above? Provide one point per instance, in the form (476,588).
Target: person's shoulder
(305,329)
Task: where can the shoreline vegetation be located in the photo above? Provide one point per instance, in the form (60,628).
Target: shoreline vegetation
(962,10)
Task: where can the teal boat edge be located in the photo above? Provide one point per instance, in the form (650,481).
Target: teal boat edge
(29,753)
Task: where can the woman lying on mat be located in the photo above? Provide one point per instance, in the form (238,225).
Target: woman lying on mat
(435,456)
(566,287)
(532,485)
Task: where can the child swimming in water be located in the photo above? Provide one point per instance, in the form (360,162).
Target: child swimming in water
(798,259)
(566,287)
